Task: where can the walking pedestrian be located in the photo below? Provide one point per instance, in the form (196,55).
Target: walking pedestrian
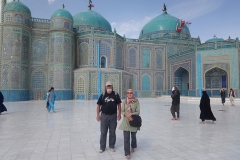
(130,107)
(223,96)
(175,104)
(205,108)
(51,100)
(231,96)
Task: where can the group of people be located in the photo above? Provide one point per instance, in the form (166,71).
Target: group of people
(205,108)
(50,98)
(109,110)
(231,96)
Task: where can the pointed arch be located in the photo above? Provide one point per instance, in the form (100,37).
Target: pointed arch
(159,59)
(81,85)
(94,85)
(216,78)
(132,55)
(103,62)
(15,76)
(119,57)
(135,80)
(58,78)
(181,80)
(66,25)
(83,54)
(146,82)
(39,51)
(105,50)
(159,85)
(38,79)
(145,58)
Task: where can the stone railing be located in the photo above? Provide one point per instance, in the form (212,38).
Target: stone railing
(41,20)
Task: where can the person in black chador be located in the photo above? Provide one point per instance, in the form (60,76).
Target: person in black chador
(223,95)
(2,107)
(205,108)
(175,103)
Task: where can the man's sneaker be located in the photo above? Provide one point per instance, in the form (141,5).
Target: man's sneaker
(100,151)
(112,149)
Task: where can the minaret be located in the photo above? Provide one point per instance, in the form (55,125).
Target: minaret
(2,5)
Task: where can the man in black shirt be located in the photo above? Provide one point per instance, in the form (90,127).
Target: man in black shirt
(109,104)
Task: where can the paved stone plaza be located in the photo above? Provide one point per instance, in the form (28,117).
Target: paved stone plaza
(28,132)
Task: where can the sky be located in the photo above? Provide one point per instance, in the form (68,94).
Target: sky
(208,17)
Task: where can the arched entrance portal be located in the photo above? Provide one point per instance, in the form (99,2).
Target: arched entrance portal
(215,79)
(181,80)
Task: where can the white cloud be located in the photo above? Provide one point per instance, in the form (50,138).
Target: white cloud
(189,10)
(50,1)
(131,28)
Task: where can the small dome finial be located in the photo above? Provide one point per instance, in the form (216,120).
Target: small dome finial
(214,36)
(90,5)
(63,6)
(164,8)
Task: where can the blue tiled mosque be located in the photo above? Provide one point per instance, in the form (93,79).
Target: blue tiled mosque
(78,54)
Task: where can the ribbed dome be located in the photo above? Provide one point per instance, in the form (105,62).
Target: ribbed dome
(92,19)
(17,6)
(164,23)
(62,13)
(215,40)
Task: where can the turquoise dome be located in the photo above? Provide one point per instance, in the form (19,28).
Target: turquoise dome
(164,23)
(62,13)
(17,6)
(92,19)
(215,40)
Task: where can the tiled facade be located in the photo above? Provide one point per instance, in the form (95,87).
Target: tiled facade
(37,54)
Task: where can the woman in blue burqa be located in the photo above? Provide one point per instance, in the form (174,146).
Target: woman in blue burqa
(51,99)
(205,108)
(2,107)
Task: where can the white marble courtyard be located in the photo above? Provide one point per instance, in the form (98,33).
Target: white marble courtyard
(28,132)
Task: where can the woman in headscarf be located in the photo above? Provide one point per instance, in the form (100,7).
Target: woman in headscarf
(130,107)
(2,107)
(223,95)
(205,108)
(51,99)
